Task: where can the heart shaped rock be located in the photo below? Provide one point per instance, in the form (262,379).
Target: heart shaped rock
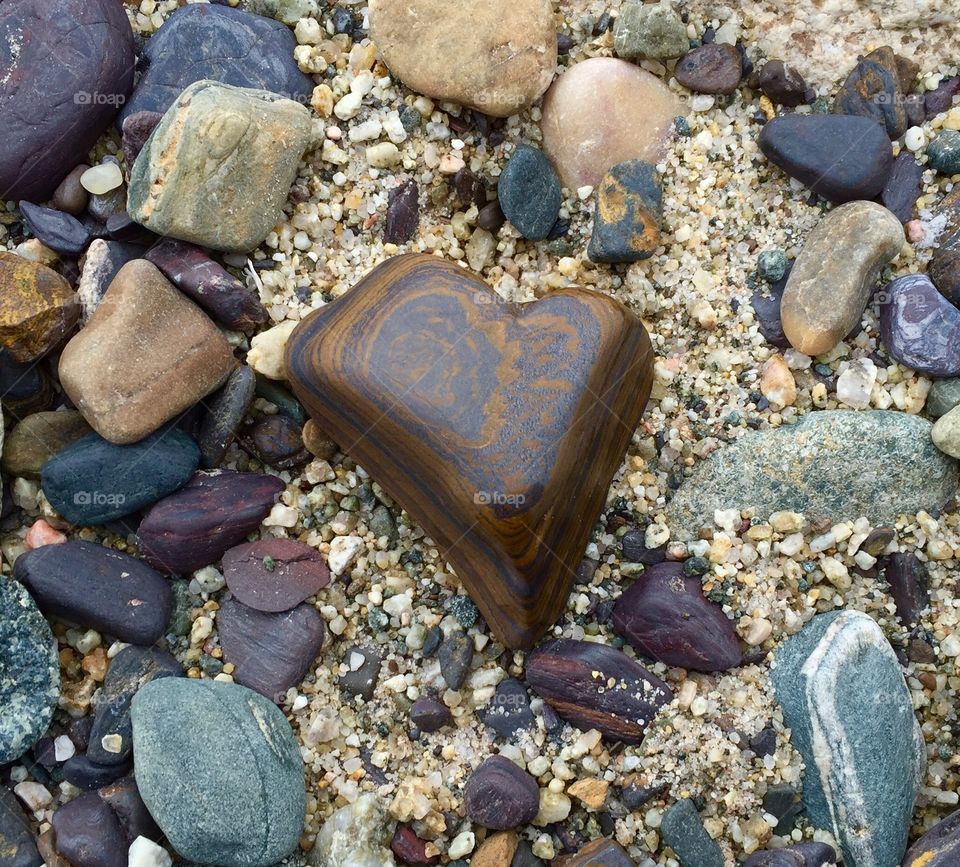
(498,426)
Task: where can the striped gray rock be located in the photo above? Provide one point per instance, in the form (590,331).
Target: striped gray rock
(849,710)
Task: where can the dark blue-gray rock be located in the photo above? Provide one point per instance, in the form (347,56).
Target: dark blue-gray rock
(907,576)
(851,719)
(920,328)
(29,672)
(874,90)
(129,670)
(89,833)
(626,220)
(282,398)
(67,67)
(509,710)
(98,588)
(683,832)
(633,548)
(87,775)
(234,756)
(939,847)
(766,302)
(801,855)
(94,481)
(943,396)
(785,803)
(271,651)
(223,412)
(276,441)
(903,187)
(834,464)
(943,152)
(18,847)
(529,193)
(217,43)
(455,655)
(55,229)
(839,157)
(429,714)
(362,671)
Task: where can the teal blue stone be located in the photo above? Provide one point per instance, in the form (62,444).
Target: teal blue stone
(683,832)
(94,481)
(943,153)
(851,718)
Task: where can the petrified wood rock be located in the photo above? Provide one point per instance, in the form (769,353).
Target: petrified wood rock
(497,425)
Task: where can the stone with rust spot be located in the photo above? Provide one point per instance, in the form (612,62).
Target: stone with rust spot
(498,445)
(147,354)
(217,169)
(875,88)
(835,273)
(602,852)
(37,308)
(626,222)
(939,847)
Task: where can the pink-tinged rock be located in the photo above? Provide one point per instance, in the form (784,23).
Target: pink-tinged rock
(602,112)
(274,574)
(40,534)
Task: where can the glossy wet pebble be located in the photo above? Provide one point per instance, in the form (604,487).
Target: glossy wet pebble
(920,328)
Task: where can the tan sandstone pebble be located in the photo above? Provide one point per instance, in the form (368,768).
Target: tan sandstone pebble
(591,793)
(495,57)
(146,355)
(496,851)
(604,111)
(777,383)
(946,433)
(38,438)
(37,307)
(834,275)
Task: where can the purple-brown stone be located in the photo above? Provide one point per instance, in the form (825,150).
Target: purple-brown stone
(907,576)
(500,795)
(920,328)
(274,574)
(903,187)
(712,68)
(939,847)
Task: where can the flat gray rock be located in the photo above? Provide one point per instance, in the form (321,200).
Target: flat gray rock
(836,464)
(220,771)
(851,717)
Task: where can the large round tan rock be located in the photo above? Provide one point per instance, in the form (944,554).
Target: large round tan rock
(147,354)
(605,111)
(495,57)
(835,273)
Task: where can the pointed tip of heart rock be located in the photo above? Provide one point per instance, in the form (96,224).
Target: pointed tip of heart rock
(498,426)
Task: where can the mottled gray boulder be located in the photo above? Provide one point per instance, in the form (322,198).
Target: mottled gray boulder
(29,671)
(834,464)
(220,771)
(851,717)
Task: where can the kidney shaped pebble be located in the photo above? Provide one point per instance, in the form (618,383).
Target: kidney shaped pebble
(593,686)
(500,795)
(665,615)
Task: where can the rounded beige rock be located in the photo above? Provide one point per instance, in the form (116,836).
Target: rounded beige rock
(495,57)
(946,433)
(604,111)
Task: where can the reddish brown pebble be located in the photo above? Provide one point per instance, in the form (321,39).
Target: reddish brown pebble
(136,130)
(712,68)
(403,213)
(274,574)
(410,849)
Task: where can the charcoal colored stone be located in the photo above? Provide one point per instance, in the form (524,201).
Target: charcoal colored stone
(403,213)
(907,576)
(903,187)
(429,714)
(785,803)
(874,90)
(236,750)
(98,588)
(455,655)
(274,574)
(209,284)
(499,795)
(944,267)
(271,652)
(55,102)
(801,855)
(24,386)
(633,548)
(29,673)
(838,157)
(276,441)
(529,193)
(18,847)
(943,152)
(683,832)
(93,481)
(851,719)
(129,670)
(712,68)
(55,229)
(509,712)
(362,672)
(939,847)
(665,615)
(221,44)
(629,208)
(784,84)
(89,833)
(223,413)
(136,129)
(103,206)
(79,771)
(213,512)
(124,799)
(920,328)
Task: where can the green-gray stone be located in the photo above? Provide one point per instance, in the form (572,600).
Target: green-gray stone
(683,832)
(217,169)
(943,152)
(851,718)
(29,671)
(287,11)
(220,771)
(944,395)
(651,30)
(835,464)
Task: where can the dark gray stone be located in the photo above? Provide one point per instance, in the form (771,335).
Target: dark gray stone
(944,395)
(943,152)
(18,846)
(361,677)
(60,232)
(529,193)
(403,213)
(509,710)
(234,751)
(223,413)
(455,655)
(79,771)
(626,221)
(907,576)
(785,803)
(429,714)
(875,91)
(500,795)
(903,187)
(683,832)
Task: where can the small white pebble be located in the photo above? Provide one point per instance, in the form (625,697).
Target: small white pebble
(462,845)
(915,139)
(146,853)
(102,179)
(63,748)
